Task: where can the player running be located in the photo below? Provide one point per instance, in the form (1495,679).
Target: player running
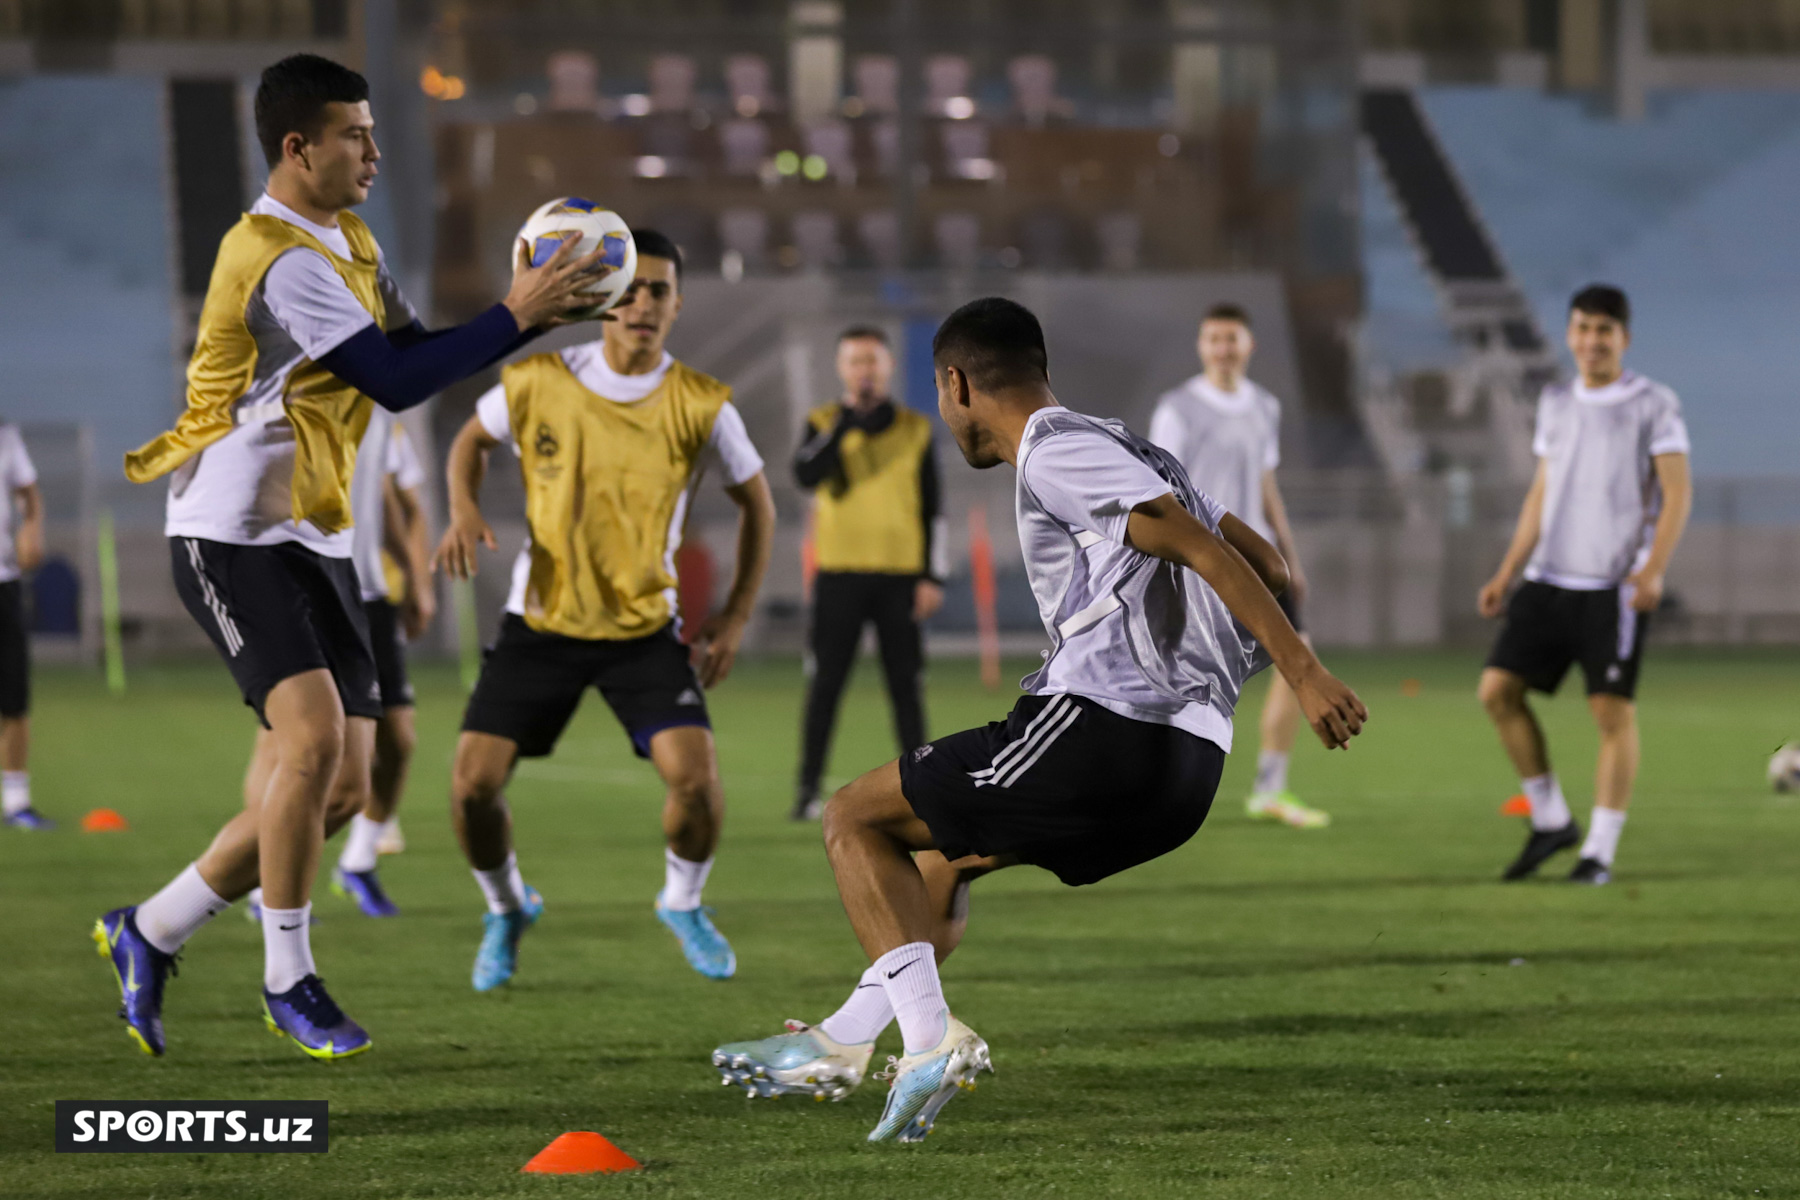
(1599,525)
(21,550)
(1111,759)
(1226,430)
(611,437)
(302,328)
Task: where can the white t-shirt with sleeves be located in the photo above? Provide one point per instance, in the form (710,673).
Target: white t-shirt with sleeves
(1227,441)
(1089,483)
(1601,494)
(16,471)
(385,452)
(238,489)
(729,441)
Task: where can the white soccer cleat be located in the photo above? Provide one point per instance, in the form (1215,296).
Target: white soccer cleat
(802,1061)
(923,1083)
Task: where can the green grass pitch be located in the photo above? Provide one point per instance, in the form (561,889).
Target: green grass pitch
(1361,1011)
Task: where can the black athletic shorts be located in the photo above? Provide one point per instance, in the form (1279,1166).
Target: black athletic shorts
(15,651)
(1290,608)
(390,653)
(1066,785)
(278,611)
(1550,628)
(531,684)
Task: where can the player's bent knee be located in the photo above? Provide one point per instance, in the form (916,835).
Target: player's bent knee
(1501,693)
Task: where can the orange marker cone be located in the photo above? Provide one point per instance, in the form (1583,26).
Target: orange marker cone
(580,1153)
(104,820)
(1516,806)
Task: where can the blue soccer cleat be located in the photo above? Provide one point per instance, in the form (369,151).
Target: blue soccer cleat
(364,888)
(30,818)
(705,947)
(306,1015)
(498,958)
(802,1061)
(924,1083)
(141,970)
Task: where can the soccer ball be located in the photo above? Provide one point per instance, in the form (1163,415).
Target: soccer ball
(1784,768)
(572,217)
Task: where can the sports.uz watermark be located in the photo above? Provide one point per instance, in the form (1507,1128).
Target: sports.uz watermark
(191,1126)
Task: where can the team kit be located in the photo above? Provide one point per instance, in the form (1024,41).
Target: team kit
(1163,568)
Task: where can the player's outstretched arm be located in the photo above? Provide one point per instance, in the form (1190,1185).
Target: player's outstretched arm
(463,474)
(1162,527)
(1491,601)
(723,632)
(1677,502)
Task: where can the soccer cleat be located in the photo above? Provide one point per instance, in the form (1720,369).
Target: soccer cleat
(1286,808)
(807,807)
(1539,846)
(141,970)
(705,947)
(802,1061)
(29,818)
(498,958)
(924,1083)
(1592,871)
(306,1015)
(392,841)
(364,888)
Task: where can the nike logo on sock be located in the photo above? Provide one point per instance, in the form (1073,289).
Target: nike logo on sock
(287,928)
(902,967)
(861,986)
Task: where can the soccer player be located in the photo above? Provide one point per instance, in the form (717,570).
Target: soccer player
(301,329)
(872,469)
(20,550)
(1226,430)
(1594,538)
(611,437)
(1145,586)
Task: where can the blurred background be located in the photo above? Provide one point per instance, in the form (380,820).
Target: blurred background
(1402,192)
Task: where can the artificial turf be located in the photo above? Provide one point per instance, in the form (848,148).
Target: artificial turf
(1359,1011)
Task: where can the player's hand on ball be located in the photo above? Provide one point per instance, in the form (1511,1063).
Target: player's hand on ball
(1491,600)
(1331,708)
(545,295)
(1646,591)
(720,637)
(456,553)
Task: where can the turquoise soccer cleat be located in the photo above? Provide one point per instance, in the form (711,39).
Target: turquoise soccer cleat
(924,1083)
(498,958)
(705,947)
(800,1062)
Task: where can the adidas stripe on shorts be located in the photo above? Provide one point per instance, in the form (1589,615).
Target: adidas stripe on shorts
(1065,784)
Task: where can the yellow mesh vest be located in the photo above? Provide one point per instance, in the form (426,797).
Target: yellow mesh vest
(872,517)
(328,415)
(603,487)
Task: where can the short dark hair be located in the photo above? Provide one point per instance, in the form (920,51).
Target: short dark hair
(658,244)
(1227,312)
(1602,300)
(873,333)
(292,97)
(996,342)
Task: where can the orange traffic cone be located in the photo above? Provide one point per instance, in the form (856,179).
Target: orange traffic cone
(1516,806)
(104,820)
(580,1153)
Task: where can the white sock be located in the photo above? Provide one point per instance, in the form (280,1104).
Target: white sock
(682,881)
(864,1015)
(1548,808)
(1604,827)
(909,975)
(359,845)
(176,913)
(391,826)
(503,886)
(1271,771)
(287,947)
(15,791)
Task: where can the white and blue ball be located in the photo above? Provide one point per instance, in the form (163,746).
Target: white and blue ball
(1784,768)
(593,228)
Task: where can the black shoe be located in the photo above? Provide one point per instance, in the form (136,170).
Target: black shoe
(807,807)
(1591,870)
(1539,846)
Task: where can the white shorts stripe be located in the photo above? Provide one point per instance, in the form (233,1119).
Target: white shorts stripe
(1023,742)
(1015,773)
(234,641)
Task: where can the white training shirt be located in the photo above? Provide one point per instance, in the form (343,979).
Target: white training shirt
(16,472)
(1089,484)
(1227,441)
(1601,494)
(729,443)
(239,489)
(385,452)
